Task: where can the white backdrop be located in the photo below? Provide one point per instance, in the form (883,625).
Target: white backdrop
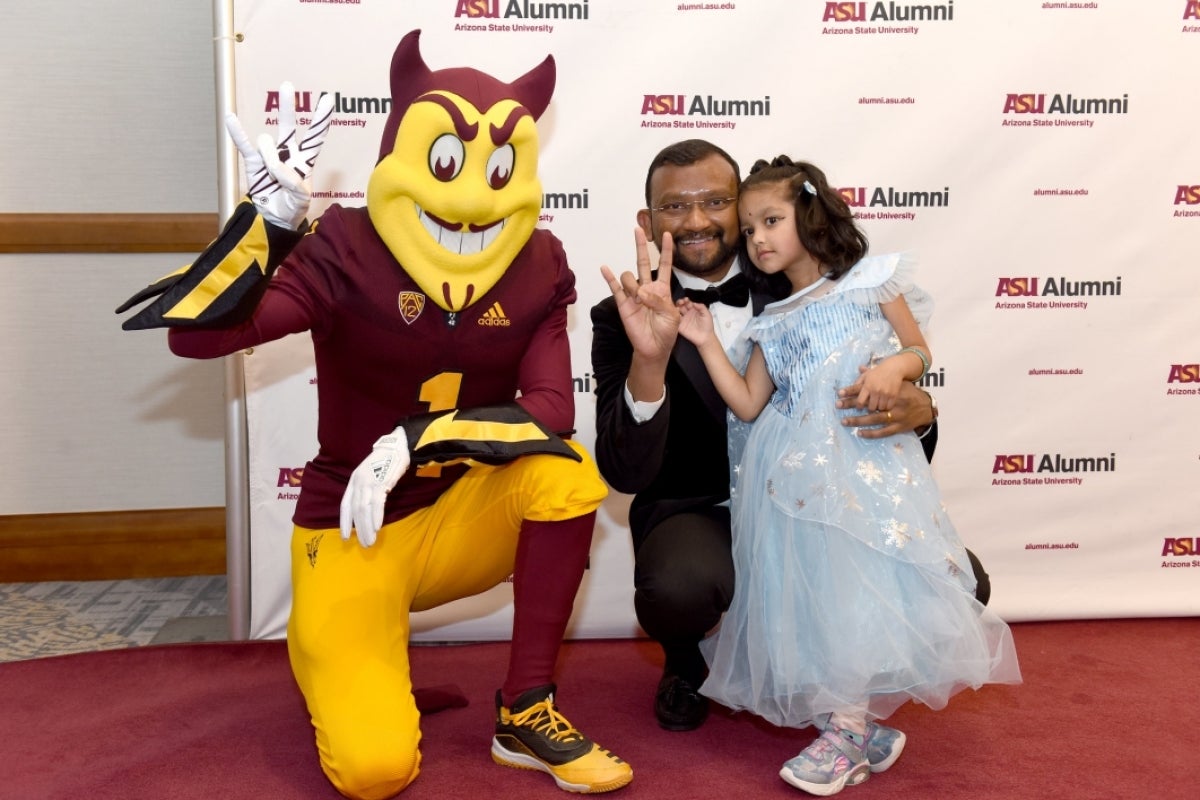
(1038,157)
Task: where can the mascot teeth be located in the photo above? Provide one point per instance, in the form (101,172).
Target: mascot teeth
(464,243)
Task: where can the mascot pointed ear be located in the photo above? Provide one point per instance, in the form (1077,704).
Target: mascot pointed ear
(534,88)
(409,77)
(408,69)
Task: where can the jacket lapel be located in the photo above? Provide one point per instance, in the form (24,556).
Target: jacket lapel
(687,357)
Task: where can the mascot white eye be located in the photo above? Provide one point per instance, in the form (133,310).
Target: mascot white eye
(446,157)
(500,166)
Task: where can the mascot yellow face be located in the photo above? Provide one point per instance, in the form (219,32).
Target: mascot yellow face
(455,194)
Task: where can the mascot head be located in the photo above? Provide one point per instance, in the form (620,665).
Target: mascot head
(455,194)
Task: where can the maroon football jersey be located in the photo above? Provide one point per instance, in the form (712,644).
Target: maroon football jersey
(384,351)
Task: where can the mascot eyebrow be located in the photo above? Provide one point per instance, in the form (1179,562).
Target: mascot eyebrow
(504,132)
(467,131)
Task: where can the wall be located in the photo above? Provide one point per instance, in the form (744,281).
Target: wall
(109,108)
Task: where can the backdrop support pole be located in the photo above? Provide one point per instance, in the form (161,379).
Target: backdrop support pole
(237,513)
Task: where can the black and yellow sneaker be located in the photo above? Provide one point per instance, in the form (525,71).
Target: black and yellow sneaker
(533,734)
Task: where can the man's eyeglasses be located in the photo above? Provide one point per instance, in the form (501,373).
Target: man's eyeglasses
(709,205)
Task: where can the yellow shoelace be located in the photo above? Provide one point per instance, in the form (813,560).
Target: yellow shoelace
(544,718)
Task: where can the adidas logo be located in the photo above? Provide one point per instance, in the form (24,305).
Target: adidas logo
(495,317)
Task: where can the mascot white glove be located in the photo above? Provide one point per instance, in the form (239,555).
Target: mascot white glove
(366,494)
(277,171)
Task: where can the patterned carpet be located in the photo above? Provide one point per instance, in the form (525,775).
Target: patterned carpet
(50,618)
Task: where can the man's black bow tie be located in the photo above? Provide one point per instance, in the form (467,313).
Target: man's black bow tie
(733,292)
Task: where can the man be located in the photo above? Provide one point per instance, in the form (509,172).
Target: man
(661,426)
(439,446)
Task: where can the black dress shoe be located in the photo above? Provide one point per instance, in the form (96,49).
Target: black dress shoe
(677,704)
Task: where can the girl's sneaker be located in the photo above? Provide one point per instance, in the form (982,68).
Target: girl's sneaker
(833,761)
(883,745)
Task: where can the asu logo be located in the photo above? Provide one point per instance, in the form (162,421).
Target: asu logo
(411,306)
(311,547)
(855,196)
(290,477)
(1183,546)
(478,9)
(1011,464)
(1025,104)
(1017,287)
(845,12)
(494,317)
(304,102)
(663,104)
(519,9)
(1192,10)
(1184,373)
(1187,195)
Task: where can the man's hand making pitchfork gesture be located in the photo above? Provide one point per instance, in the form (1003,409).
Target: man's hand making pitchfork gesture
(648,314)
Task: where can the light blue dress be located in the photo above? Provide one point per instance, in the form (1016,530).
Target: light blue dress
(854,593)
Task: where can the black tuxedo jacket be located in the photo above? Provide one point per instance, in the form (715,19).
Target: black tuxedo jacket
(675,461)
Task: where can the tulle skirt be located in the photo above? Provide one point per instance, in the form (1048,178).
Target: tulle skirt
(828,619)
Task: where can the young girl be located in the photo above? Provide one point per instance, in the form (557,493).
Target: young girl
(854,593)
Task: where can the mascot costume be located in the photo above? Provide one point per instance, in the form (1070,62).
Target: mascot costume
(438,317)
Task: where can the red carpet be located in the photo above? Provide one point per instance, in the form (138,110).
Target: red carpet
(1108,710)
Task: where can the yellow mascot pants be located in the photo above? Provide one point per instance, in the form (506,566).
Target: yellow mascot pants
(349,627)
